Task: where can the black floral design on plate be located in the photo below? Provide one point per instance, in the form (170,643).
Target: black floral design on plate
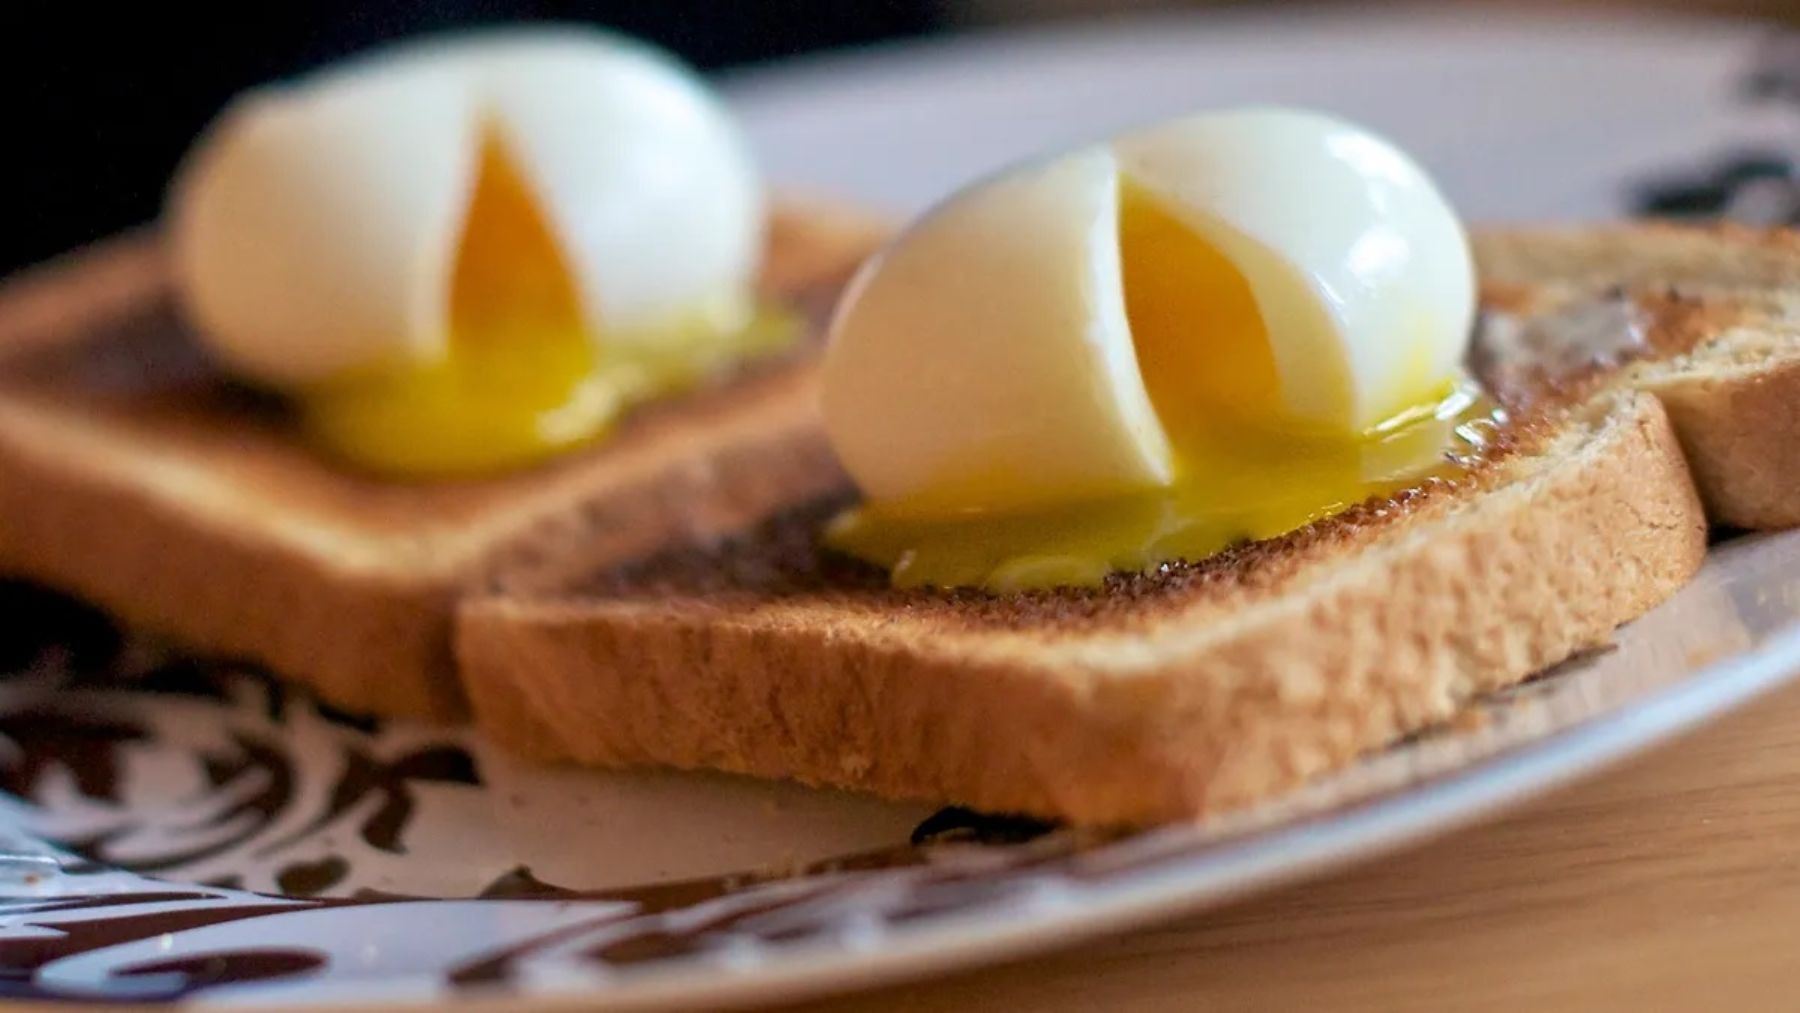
(366,777)
(35,740)
(79,706)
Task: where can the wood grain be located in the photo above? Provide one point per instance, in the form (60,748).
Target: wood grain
(1670,883)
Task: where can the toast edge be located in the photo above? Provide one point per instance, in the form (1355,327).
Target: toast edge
(831,703)
(376,641)
(362,643)
(58,526)
(1738,432)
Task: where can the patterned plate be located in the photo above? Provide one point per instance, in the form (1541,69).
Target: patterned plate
(180,827)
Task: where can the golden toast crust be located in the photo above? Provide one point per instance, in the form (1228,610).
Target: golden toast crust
(1217,701)
(135,477)
(1223,683)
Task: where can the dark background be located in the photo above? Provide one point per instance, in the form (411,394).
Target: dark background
(106,97)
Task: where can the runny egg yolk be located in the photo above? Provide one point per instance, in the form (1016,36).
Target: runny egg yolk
(523,379)
(1173,278)
(1244,471)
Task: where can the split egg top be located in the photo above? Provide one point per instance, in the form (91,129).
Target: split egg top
(532,206)
(1224,316)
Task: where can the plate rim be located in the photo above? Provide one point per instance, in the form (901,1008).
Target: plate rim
(1221,872)
(1161,890)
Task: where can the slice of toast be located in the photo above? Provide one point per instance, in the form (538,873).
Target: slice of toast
(133,474)
(1206,686)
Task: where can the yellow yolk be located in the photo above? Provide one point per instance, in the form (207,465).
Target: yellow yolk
(1243,470)
(523,379)
(1201,344)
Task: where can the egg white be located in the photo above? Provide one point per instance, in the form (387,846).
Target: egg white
(985,360)
(988,350)
(315,226)
(1358,262)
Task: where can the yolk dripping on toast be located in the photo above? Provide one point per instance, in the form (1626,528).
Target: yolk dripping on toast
(522,379)
(1239,475)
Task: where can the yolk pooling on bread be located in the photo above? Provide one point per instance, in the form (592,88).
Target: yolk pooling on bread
(1242,485)
(1244,469)
(522,379)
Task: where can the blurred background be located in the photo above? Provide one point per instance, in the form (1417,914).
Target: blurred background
(104,99)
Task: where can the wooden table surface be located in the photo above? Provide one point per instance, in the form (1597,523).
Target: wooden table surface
(1671,882)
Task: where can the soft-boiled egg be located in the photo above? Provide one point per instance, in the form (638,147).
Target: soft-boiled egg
(469,253)
(1207,330)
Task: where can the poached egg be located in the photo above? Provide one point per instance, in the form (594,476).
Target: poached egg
(465,254)
(1213,329)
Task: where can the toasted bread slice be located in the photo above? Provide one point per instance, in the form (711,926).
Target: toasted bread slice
(133,474)
(1206,686)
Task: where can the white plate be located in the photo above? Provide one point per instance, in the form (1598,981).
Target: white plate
(1519,117)
(655,889)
